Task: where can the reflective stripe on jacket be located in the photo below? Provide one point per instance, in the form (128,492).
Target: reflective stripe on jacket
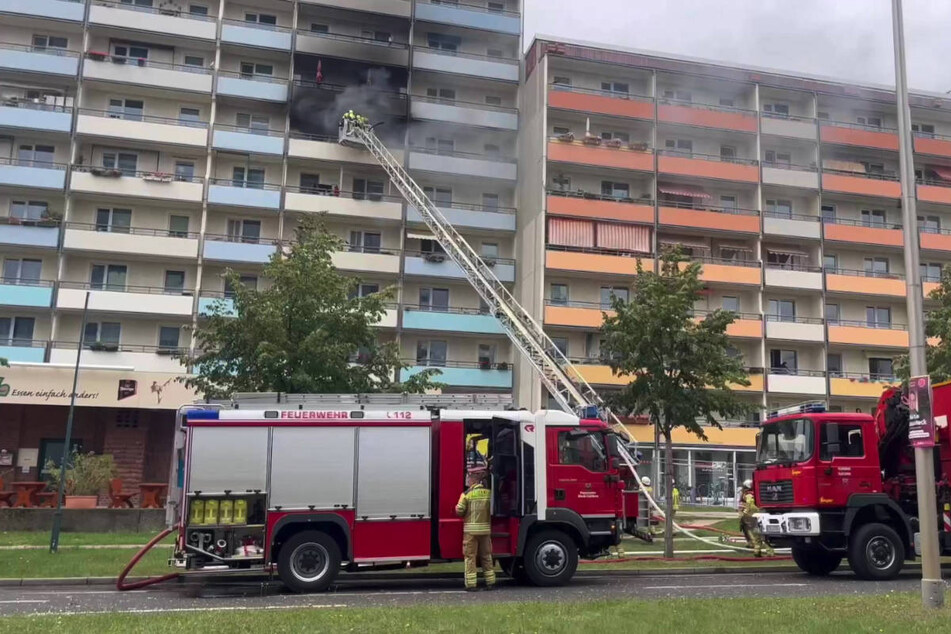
(474,506)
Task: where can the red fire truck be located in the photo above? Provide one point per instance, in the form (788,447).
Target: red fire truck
(309,492)
(842,485)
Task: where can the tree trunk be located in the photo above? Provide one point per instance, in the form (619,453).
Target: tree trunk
(668,482)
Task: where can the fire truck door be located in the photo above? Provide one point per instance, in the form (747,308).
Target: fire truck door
(845,465)
(579,476)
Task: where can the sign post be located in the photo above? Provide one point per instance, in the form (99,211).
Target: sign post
(921,426)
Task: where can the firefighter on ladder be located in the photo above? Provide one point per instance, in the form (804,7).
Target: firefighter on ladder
(356,120)
(747,508)
(474,506)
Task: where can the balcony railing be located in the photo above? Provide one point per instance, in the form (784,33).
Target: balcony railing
(863,376)
(464,104)
(790,216)
(441,363)
(753,264)
(166,10)
(704,106)
(787,117)
(359,248)
(474,7)
(708,157)
(330,87)
(141,61)
(491,261)
(155,176)
(641,147)
(44,50)
(333,192)
(446,309)
(796,167)
(933,182)
(796,371)
(489,209)
(258,25)
(127,288)
(16,342)
(863,323)
(809,268)
(733,211)
(481,156)
(486,58)
(860,273)
(49,165)
(859,126)
(231,182)
(739,315)
(249,129)
(221,237)
(862,223)
(342,37)
(644,199)
(42,221)
(106,346)
(12,281)
(880,176)
(267,79)
(794,319)
(613,94)
(135,231)
(33,104)
(599,251)
(147,118)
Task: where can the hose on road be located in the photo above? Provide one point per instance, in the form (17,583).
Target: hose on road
(135,585)
(693,558)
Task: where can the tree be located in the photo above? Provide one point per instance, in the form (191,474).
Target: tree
(302,334)
(681,368)
(937,325)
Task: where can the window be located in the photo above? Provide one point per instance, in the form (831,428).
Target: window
(495,7)
(494,52)
(168,337)
(561,344)
(875,267)
(561,81)
(174,282)
(442,42)
(832,313)
(135,52)
(783,361)
(872,121)
(776,109)
(254,123)
(29,209)
(623,137)
(130,109)
(441,196)
(252,177)
(822,114)
(197,9)
(21,270)
(114,220)
(873,217)
(830,262)
(260,18)
(137,3)
(189,116)
(840,439)
(248,231)
(250,69)
(489,250)
(731,304)
(678,95)
(184,171)
(178,226)
(679,146)
(319,28)
(379,36)
(880,368)
(728,202)
(617,87)
(727,152)
(774,157)
(248,281)
(105,332)
(364,290)
(615,190)
(834,364)
(727,102)
(486,355)
(559,294)
(35,155)
(436,299)
(492,150)
(364,189)
(583,450)
(44,42)
(490,202)
(878,317)
(874,168)
(430,246)
(609,292)
(828,213)
(110,277)
(782,309)
(493,100)
(16,331)
(930,272)
(125,162)
(431,353)
(194,60)
(923,129)
(365,241)
(447,94)
(779,208)
(929,224)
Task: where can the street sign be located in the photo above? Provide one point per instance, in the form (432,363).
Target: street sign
(920,420)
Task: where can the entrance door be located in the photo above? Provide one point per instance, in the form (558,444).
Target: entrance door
(52,449)
(579,472)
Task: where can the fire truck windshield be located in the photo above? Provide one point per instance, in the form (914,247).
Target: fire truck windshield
(788,441)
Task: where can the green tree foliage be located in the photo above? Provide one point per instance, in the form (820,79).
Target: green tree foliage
(302,333)
(937,324)
(681,368)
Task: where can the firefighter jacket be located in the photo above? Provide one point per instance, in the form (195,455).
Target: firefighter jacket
(748,505)
(474,506)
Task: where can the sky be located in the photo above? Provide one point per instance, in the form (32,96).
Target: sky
(842,39)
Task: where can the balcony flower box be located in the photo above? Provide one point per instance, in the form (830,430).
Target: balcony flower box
(98,56)
(590,139)
(502,365)
(485,365)
(435,257)
(614,143)
(567,138)
(118,59)
(166,352)
(99,346)
(105,171)
(157,177)
(639,146)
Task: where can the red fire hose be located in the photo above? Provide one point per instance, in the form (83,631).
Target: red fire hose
(694,558)
(135,585)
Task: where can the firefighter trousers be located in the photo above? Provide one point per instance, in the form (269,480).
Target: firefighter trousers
(477,550)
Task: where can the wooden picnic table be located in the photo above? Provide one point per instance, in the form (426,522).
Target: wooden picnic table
(153,495)
(26,493)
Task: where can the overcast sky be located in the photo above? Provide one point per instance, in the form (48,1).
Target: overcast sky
(845,39)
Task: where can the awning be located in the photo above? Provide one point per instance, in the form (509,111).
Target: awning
(944,173)
(735,246)
(685,243)
(792,252)
(683,190)
(419,235)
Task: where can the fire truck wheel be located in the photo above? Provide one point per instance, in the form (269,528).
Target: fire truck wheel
(551,558)
(815,561)
(876,552)
(309,562)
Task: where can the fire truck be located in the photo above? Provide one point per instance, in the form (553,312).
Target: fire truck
(309,492)
(842,485)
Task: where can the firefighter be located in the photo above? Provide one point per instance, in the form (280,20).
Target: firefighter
(750,527)
(676,495)
(476,539)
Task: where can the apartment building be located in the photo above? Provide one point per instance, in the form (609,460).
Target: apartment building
(146,146)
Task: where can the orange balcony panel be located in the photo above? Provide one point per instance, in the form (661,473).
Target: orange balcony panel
(573,316)
(601,104)
(934,194)
(600,156)
(745,328)
(929,287)
(706,118)
(726,437)
(840,386)
(863,235)
(865,285)
(934,147)
(861,186)
(859,137)
(730,274)
(708,220)
(600,375)
(703,168)
(595,262)
(756,384)
(600,209)
(856,335)
(935,241)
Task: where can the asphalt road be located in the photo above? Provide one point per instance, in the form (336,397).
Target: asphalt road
(356,593)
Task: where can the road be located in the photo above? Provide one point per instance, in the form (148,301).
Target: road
(355,593)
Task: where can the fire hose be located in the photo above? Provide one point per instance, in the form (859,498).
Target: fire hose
(135,585)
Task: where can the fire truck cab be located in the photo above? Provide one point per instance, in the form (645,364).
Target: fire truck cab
(308,492)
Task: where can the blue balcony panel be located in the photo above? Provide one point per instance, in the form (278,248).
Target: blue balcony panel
(30,119)
(22,354)
(418,266)
(39,177)
(251,89)
(467,377)
(56,9)
(454,322)
(47,237)
(23,295)
(37,62)
(492,220)
(248,142)
(205,305)
(475,18)
(238,252)
(250,36)
(244,196)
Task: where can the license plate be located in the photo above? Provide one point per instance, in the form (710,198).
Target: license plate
(773,528)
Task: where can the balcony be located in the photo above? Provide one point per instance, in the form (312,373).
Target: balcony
(484,66)
(859,385)
(251,140)
(328,148)
(140,300)
(439,265)
(575,314)
(470,374)
(468,15)
(599,261)
(400,8)
(23,351)
(165,20)
(450,320)
(263,87)
(366,260)
(133,241)
(219,248)
(141,358)
(810,382)
(464,164)
(606,102)
(254,34)
(41,175)
(142,72)
(862,333)
(706,116)
(799,277)
(225,191)
(729,271)
(579,204)
(34,59)
(363,49)
(865,283)
(208,301)
(709,217)
(463,216)
(707,166)
(744,326)
(934,191)
(789,175)
(344,204)
(145,128)
(463,112)
(858,135)
(861,183)
(792,225)
(934,239)
(35,294)
(567,150)
(43,234)
(788,126)
(29,115)
(148,185)
(932,144)
(806,329)
(862,232)
(67,10)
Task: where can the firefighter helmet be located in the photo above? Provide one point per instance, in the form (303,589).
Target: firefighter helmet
(747,484)
(646,481)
